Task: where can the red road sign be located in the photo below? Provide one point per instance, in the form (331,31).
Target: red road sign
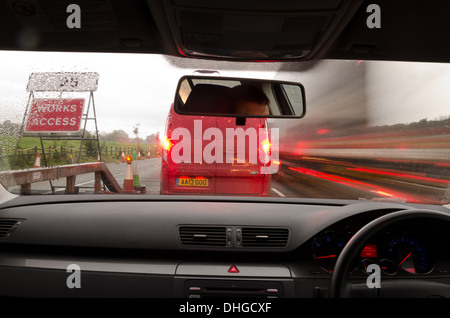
(55,115)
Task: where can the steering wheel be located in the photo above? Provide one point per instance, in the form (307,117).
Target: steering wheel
(342,288)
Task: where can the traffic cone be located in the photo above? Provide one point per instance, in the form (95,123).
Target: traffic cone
(136,181)
(148,154)
(139,155)
(37,162)
(128,181)
(123,157)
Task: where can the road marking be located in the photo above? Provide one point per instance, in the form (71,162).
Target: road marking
(420,185)
(278,192)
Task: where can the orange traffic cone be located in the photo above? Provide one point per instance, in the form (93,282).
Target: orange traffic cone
(123,157)
(128,181)
(37,162)
(148,155)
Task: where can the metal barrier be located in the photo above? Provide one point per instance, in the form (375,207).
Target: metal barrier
(25,178)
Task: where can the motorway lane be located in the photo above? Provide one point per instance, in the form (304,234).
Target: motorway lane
(292,184)
(345,179)
(308,178)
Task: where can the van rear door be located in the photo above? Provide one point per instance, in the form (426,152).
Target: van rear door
(240,171)
(188,172)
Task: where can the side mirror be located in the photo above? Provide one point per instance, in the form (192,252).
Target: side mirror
(239,97)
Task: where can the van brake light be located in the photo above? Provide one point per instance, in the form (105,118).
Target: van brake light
(167,144)
(266,146)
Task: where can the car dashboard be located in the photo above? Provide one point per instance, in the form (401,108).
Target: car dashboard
(206,247)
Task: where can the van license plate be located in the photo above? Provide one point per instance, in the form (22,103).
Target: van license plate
(192,182)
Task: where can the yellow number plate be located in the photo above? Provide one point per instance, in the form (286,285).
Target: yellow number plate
(192,182)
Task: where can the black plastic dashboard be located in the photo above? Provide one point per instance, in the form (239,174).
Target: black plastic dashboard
(203,246)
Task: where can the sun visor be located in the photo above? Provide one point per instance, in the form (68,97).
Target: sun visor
(262,30)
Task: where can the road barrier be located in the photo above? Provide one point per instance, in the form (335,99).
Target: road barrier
(24,178)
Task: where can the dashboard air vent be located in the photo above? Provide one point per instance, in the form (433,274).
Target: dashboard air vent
(7,226)
(264,237)
(203,235)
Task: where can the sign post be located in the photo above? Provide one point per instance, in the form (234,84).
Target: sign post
(59,117)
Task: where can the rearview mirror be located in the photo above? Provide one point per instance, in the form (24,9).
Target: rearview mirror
(239,97)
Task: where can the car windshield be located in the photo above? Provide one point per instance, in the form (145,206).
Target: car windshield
(373,130)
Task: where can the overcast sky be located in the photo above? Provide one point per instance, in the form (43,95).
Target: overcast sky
(140,88)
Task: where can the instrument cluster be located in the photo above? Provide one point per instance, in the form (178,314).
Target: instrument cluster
(412,249)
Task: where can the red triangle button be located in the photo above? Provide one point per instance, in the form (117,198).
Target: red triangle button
(233,269)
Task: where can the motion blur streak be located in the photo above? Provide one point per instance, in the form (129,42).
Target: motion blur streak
(374,126)
(402,175)
(371,188)
(384,193)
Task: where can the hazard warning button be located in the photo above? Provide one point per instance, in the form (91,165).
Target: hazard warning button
(233,269)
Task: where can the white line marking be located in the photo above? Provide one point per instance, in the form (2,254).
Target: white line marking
(278,192)
(420,185)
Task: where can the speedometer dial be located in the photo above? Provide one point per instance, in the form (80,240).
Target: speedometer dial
(410,254)
(326,249)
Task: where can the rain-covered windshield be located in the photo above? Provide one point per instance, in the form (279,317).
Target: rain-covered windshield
(372,130)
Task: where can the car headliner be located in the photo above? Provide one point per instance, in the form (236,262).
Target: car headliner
(331,29)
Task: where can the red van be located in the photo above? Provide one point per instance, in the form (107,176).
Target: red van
(211,159)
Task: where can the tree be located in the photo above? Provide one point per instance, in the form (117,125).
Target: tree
(136,130)
(116,136)
(153,139)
